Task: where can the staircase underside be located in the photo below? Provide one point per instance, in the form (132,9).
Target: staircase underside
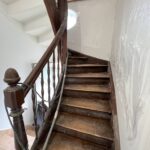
(84,121)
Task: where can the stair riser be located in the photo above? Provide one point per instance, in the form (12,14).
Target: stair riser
(103,142)
(62,141)
(86,69)
(85,112)
(77,61)
(90,59)
(83,61)
(97,95)
(74,80)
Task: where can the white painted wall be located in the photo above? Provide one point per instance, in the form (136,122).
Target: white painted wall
(93,33)
(130,62)
(19,51)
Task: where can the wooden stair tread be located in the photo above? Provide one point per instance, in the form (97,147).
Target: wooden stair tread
(96,127)
(90,104)
(62,141)
(77,57)
(87,65)
(88,88)
(89,75)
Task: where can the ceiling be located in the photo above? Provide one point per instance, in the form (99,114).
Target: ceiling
(31,14)
(8,1)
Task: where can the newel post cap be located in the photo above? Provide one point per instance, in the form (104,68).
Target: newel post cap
(11,77)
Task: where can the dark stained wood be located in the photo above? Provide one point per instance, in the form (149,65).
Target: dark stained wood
(84,106)
(64,40)
(87,65)
(30,80)
(85,102)
(87,68)
(62,5)
(77,93)
(14,98)
(89,104)
(15,101)
(97,129)
(84,120)
(88,88)
(42,94)
(34,107)
(87,80)
(62,141)
(77,59)
(90,75)
(90,58)
(85,112)
(58,68)
(48,82)
(53,14)
(54,71)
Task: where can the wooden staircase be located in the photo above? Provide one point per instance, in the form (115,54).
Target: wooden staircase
(84,121)
(86,118)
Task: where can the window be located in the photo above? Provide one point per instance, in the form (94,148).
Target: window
(72,19)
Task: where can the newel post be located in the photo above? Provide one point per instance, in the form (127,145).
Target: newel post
(14,98)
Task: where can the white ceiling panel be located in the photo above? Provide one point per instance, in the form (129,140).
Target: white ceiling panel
(8,1)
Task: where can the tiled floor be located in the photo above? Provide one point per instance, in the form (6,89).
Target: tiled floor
(7,140)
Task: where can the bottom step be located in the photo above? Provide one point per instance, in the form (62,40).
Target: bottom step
(95,130)
(62,141)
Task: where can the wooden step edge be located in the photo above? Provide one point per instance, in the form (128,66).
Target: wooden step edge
(89,75)
(86,77)
(89,81)
(85,111)
(76,53)
(84,94)
(86,65)
(87,108)
(89,91)
(64,121)
(97,105)
(68,142)
(77,57)
(88,137)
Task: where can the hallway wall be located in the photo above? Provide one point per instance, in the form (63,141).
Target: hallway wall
(130,62)
(17,50)
(93,32)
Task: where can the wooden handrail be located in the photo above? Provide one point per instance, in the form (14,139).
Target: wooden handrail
(42,62)
(15,94)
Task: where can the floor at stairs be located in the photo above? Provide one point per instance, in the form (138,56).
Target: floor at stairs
(7,136)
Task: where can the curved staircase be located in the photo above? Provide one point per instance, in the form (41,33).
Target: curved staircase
(84,120)
(78,115)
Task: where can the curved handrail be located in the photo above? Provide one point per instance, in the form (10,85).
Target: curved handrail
(42,62)
(15,94)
